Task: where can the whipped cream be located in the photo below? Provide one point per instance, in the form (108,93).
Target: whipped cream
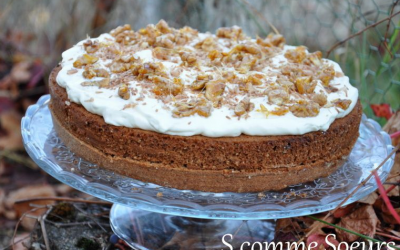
(145,111)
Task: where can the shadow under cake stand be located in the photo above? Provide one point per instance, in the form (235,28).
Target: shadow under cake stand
(147,216)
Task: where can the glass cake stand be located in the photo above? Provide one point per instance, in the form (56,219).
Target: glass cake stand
(147,216)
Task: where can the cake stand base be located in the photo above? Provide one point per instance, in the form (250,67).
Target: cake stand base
(149,231)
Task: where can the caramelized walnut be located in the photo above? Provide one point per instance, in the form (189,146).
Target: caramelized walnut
(305,109)
(84,60)
(201,107)
(91,46)
(115,32)
(279,111)
(326,74)
(91,72)
(277,95)
(305,84)
(164,86)
(163,27)
(214,90)
(296,55)
(244,106)
(188,59)
(234,33)
(255,79)
(341,103)
(207,44)
(320,99)
(200,82)
(146,70)
(123,92)
(272,40)
(162,53)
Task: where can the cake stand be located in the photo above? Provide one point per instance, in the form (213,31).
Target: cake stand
(147,216)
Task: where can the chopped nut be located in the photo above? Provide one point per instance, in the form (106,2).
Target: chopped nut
(165,86)
(255,79)
(244,106)
(188,59)
(200,82)
(162,53)
(91,72)
(84,60)
(214,90)
(305,84)
(277,95)
(120,29)
(91,46)
(231,33)
(271,40)
(305,109)
(296,55)
(123,92)
(326,75)
(279,111)
(201,107)
(341,103)
(320,99)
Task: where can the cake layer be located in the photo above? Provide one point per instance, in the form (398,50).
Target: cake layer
(239,164)
(184,82)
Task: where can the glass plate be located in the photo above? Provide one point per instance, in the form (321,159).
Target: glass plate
(48,151)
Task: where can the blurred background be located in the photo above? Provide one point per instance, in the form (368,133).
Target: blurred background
(33,34)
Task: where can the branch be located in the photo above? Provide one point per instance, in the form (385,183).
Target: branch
(360,32)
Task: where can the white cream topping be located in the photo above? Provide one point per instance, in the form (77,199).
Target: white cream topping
(152,114)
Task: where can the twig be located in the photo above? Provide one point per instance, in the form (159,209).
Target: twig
(20,220)
(388,27)
(385,198)
(62,199)
(44,231)
(360,32)
(388,236)
(354,191)
(261,17)
(92,218)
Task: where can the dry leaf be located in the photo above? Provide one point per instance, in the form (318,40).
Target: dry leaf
(11,122)
(343,211)
(26,193)
(363,221)
(370,199)
(321,241)
(393,125)
(22,239)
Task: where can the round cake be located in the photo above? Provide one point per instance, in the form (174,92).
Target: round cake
(211,112)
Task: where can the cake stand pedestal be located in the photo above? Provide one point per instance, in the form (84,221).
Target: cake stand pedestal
(147,216)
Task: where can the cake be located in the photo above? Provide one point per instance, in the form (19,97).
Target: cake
(211,112)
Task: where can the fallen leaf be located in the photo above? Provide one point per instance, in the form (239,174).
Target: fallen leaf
(363,221)
(392,126)
(26,193)
(21,240)
(340,212)
(369,199)
(10,121)
(321,240)
(382,110)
